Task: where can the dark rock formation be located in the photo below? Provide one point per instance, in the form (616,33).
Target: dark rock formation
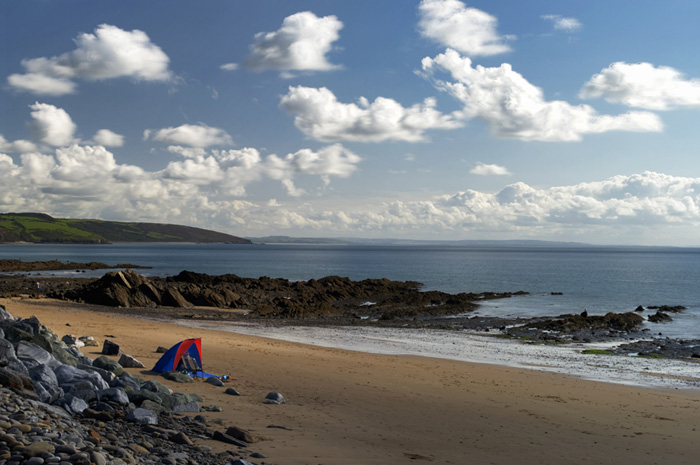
(579,327)
(110,348)
(329,297)
(668,308)
(661,348)
(659,317)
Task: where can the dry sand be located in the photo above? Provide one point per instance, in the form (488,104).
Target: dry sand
(353,408)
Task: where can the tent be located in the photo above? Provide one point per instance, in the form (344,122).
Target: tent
(184,356)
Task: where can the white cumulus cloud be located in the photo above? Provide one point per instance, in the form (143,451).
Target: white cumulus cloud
(482,169)
(41,84)
(319,114)
(203,190)
(108,138)
(334,160)
(453,24)
(52,125)
(514,108)
(562,23)
(193,135)
(109,53)
(301,44)
(644,85)
(19,145)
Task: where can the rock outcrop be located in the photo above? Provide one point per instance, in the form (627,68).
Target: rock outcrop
(585,328)
(329,297)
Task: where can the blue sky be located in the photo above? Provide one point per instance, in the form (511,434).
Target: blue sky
(434,119)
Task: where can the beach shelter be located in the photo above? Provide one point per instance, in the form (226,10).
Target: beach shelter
(184,356)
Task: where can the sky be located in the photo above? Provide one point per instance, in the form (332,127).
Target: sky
(433,119)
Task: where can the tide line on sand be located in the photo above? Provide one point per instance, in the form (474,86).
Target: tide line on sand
(470,347)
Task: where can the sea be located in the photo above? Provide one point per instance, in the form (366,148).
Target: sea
(558,280)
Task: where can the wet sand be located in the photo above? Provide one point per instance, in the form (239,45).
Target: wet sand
(347,407)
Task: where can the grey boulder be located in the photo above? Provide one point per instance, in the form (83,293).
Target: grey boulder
(274,398)
(143,416)
(127,361)
(68,375)
(32,355)
(115,395)
(110,348)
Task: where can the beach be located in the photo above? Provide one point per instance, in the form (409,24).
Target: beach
(349,407)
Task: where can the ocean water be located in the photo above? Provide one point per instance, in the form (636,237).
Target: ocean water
(597,279)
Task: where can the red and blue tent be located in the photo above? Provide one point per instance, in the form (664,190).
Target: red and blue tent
(180,357)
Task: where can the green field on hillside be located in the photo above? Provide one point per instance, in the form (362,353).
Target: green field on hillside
(41,228)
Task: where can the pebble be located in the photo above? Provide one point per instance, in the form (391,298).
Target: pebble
(34,433)
(53,439)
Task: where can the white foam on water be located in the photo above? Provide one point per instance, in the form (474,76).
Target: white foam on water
(478,348)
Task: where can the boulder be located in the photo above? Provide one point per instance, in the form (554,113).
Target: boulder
(114,395)
(177,377)
(143,416)
(68,376)
(57,348)
(141,395)
(127,361)
(108,376)
(5,315)
(73,404)
(126,382)
(659,317)
(43,374)
(155,406)
(214,381)
(244,435)
(45,384)
(223,437)
(108,364)
(181,438)
(156,386)
(186,407)
(274,398)
(79,356)
(7,353)
(32,355)
(232,392)
(83,391)
(48,394)
(110,348)
(72,340)
(89,341)
(16,381)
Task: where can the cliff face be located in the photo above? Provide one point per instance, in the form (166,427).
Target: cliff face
(41,228)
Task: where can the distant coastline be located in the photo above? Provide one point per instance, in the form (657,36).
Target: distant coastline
(39,228)
(475,243)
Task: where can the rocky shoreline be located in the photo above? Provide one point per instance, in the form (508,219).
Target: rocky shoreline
(58,406)
(335,300)
(332,298)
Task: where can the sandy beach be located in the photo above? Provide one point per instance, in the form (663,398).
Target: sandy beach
(346,407)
